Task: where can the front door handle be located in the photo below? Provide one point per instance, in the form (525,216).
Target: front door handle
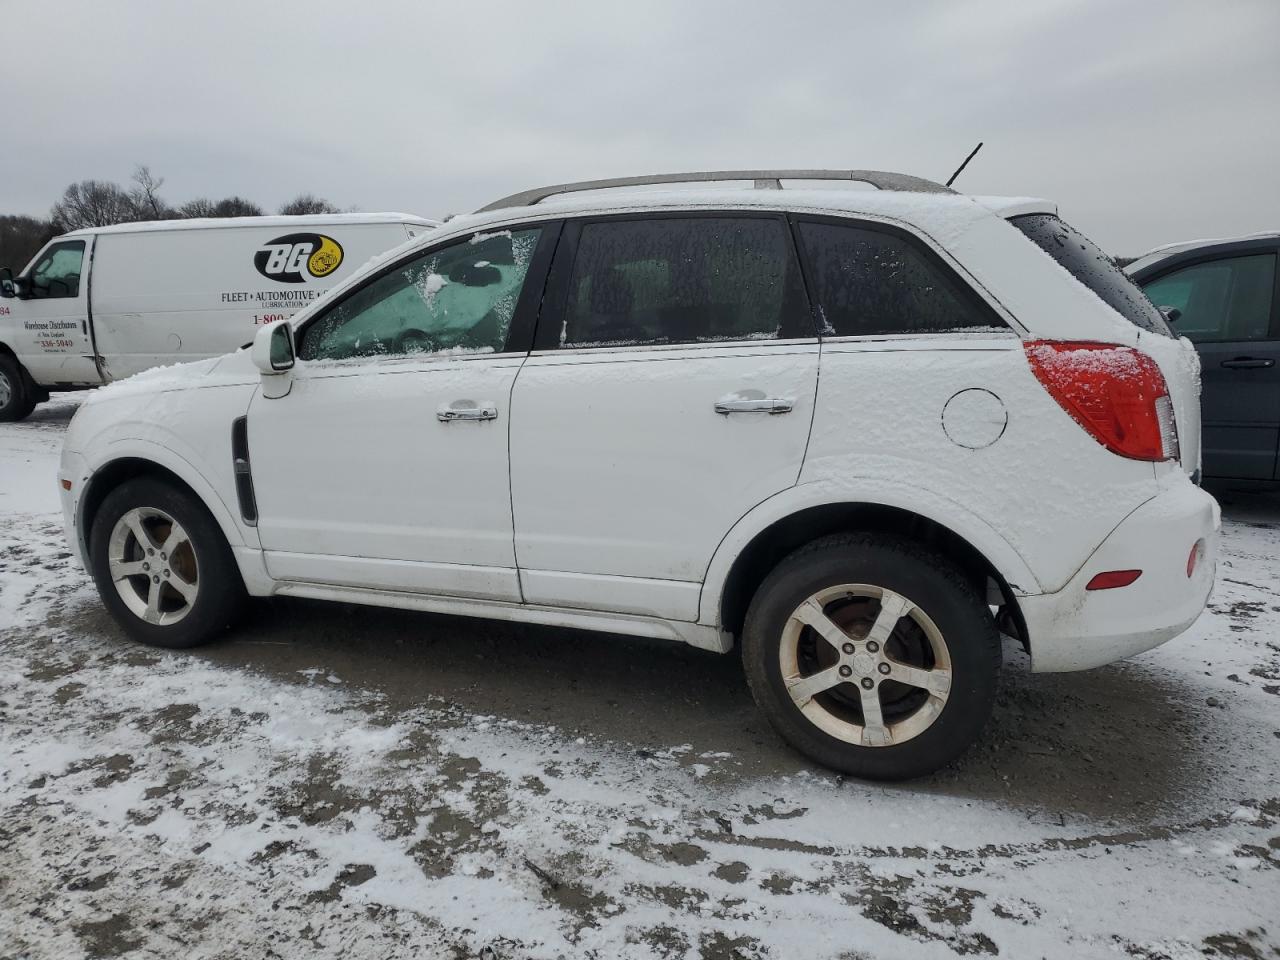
(467,410)
(1249,363)
(772,405)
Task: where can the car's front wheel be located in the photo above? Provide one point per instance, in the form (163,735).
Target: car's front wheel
(872,655)
(162,566)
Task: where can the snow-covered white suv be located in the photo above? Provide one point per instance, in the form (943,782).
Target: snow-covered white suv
(865,432)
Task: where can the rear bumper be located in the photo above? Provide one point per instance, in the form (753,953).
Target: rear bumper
(1075,628)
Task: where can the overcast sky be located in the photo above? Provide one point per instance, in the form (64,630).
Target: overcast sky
(1148,122)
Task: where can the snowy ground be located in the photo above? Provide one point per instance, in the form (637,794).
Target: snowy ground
(339,782)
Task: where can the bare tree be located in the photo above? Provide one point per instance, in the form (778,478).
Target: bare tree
(21,237)
(229,207)
(236,207)
(307,203)
(145,195)
(100,203)
(92,203)
(199,207)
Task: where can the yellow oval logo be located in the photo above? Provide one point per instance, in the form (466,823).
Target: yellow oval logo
(325,260)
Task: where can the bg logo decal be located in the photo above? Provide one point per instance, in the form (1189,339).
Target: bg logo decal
(298,257)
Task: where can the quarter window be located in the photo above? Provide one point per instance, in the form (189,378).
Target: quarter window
(1086,261)
(871,282)
(456,300)
(57,273)
(683,280)
(1226,299)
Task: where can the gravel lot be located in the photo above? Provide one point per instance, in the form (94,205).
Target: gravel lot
(347,782)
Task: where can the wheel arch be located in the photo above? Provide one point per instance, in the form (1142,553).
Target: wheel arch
(8,351)
(123,467)
(774,529)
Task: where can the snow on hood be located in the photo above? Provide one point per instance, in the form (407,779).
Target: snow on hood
(174,376)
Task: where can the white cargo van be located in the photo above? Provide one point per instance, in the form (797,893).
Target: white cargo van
(103,303)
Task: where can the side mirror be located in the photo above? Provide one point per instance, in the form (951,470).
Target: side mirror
(273,354)
(273,349)
(1171,313)
(7,289)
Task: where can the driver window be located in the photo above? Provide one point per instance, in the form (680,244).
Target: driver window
(457,300)
(57,272)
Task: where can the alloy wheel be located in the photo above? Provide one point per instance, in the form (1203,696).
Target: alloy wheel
(153,566)
(865,665)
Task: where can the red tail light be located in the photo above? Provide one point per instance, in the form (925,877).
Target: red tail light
(1116,393)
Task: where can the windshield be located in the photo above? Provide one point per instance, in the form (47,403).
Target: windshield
(1085,261)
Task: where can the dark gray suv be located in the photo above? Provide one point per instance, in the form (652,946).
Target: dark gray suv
(1228,304)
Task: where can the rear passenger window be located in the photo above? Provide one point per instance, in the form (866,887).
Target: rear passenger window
(869,282)
(1226,299)
(683,280)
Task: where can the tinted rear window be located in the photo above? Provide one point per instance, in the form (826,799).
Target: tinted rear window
(1085,261)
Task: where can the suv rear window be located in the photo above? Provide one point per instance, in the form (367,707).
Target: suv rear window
(1085,260)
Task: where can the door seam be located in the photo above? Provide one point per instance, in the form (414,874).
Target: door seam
(511,484)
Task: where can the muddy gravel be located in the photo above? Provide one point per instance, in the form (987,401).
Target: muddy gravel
(343,781)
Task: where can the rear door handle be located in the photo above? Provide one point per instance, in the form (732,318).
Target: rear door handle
(754,405)
(467,410)
(1249,363)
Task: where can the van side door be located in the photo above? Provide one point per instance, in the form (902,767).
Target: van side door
(1230,309)
(178,292)
(51,314)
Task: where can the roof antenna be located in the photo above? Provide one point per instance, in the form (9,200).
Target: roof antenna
(963,165)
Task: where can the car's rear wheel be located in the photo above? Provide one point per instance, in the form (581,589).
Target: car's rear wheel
(872,656)
(162,566)
(16,401)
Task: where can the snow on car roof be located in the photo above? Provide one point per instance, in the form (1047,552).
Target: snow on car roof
(938,213)
(210,223)
(1016,206)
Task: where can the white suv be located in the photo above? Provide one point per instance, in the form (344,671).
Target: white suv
(864,432)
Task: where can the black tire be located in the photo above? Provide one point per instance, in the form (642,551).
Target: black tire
(220,595)
(936,588)
(17,400)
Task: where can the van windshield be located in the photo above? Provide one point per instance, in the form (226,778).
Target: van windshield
(1086,261)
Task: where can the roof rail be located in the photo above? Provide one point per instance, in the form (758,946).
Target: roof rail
(764,180)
